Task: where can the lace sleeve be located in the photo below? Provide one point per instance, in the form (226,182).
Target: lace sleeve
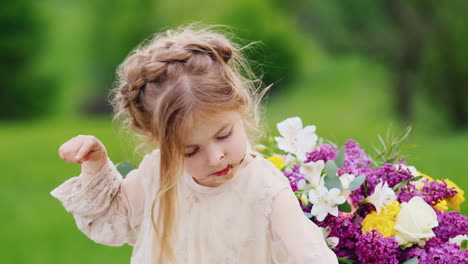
(300,237)
(108,209)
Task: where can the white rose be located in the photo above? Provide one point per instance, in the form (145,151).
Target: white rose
(414,223)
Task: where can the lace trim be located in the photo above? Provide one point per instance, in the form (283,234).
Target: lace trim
(89,199)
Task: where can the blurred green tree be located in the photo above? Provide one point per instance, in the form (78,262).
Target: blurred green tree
(122,25)
(444,72)
(118,28)
(419,41)
(25,93)
(274,58)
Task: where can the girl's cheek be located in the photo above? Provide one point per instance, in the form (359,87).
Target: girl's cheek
(196,165)
(238,146)
(189,166)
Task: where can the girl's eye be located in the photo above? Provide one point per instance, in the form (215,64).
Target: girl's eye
(188,155)
(226,136)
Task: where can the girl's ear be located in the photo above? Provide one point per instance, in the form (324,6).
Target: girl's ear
(150,135)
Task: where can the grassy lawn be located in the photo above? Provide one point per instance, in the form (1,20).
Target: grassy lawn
(40,231)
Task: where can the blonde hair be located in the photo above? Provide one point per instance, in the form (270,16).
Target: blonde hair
(168,81)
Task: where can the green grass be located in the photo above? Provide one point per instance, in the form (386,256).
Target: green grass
(36,227)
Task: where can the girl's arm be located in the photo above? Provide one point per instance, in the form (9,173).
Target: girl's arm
(107,208)
(303,239)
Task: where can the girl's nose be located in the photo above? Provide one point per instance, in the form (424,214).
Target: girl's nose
(216,158)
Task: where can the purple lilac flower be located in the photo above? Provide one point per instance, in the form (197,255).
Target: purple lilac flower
(451,224)
(444,253)
(305,208)
(436,252)
(355,159)
(393,175)
(347,232)
(323,152)
(433,242)
(434,191)
(414,252)
(357,196)
(294,176)
(408,192)
(373,248)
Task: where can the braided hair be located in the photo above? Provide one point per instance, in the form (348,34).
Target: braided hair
(168,81)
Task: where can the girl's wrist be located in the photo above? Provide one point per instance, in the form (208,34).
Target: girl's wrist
(90,168)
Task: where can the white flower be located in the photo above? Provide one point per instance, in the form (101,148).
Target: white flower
(458,239)
(332,242)
(289,158)
(295,139)
(345,180)
(414,223)
(312,173)
(325,201)
(382,196)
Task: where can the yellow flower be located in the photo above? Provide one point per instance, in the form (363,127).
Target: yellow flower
(456,200)
(381,222)
(441,206)
(278,161)
(391,210)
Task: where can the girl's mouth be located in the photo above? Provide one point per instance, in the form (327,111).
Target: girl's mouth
(224,171)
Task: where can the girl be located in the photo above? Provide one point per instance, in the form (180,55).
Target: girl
(202,196)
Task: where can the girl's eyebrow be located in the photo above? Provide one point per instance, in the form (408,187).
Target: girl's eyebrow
(219,131)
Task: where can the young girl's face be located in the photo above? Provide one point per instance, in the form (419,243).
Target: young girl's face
(213,145)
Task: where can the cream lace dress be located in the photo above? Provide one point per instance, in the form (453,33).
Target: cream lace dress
(253,218)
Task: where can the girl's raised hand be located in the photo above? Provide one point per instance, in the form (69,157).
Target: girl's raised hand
(83,148)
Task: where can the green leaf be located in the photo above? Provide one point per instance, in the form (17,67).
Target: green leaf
(417,178)
(464,244)
(124,168)
(358,181)
(411,261)
(331,179)
(298,194)
(304,199)
(400,185)
(345,260)
(340,157)
(345,207)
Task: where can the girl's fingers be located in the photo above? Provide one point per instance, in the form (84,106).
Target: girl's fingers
(84,150)
(81,148)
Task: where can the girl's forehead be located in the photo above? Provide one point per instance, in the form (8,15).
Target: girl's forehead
(214,118)
(199,128)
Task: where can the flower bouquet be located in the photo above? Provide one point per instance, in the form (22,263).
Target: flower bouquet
(370,211)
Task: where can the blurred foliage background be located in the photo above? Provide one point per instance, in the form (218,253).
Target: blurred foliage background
(356,69)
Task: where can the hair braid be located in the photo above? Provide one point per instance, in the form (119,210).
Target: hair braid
(165,84)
